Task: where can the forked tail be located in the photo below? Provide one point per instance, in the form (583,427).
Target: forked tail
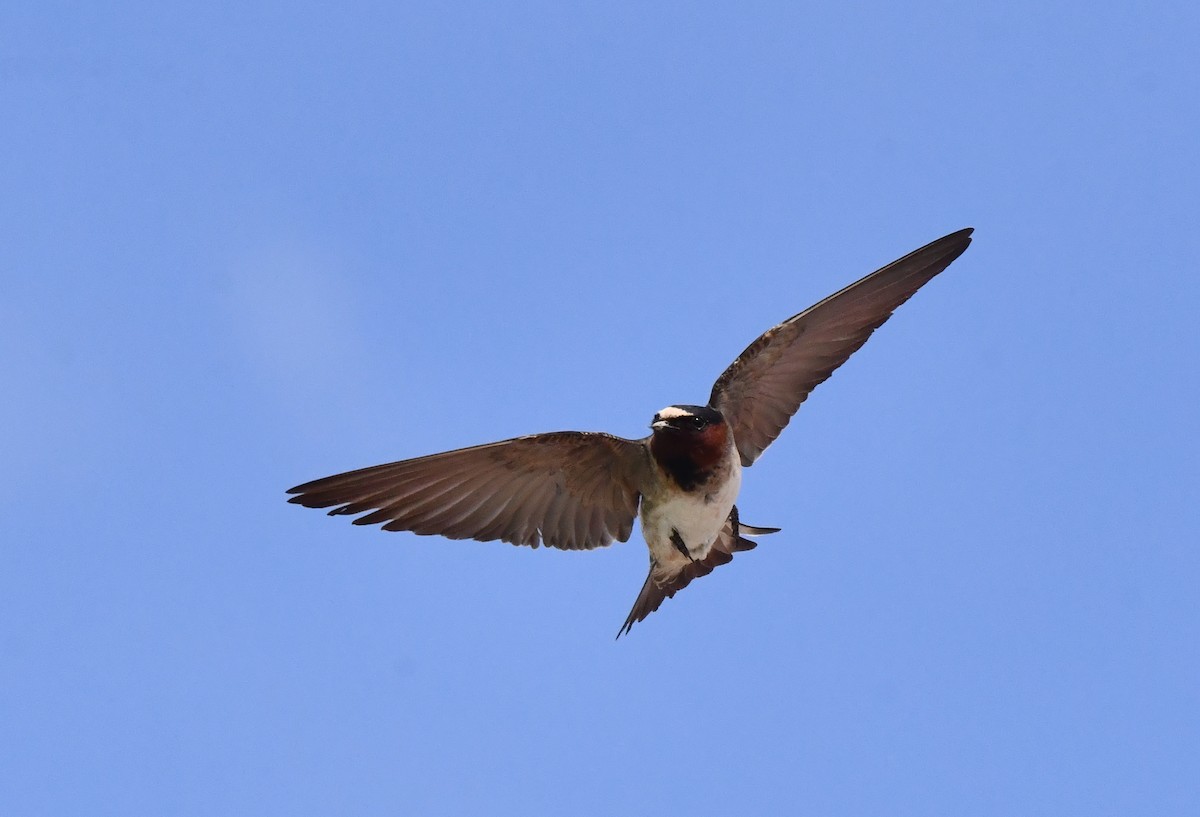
(732,539)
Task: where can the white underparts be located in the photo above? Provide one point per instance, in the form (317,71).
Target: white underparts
(697,516)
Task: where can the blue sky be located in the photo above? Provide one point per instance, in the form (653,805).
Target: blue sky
(248,245)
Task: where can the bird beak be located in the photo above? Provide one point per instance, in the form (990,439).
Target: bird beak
(657,424)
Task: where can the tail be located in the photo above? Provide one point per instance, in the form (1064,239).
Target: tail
(655,591)
(751,530)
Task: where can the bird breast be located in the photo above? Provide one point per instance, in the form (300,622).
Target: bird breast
(697,515)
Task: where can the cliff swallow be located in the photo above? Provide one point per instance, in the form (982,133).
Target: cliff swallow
(581,490)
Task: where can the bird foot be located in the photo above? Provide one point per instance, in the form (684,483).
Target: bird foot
(679,544)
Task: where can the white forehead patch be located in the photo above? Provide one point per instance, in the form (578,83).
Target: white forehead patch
(673,412)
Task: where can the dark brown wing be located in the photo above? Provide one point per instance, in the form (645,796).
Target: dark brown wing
(659,586)
(572,490)
(763,388)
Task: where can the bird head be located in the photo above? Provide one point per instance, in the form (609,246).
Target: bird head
(686,420)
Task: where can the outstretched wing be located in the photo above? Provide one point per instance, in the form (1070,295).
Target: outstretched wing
(665,581)
(572,490)
(763,388)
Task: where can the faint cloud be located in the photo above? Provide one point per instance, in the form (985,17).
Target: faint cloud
(46,417)
(293,322)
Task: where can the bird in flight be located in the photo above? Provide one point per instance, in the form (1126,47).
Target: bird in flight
(578,490)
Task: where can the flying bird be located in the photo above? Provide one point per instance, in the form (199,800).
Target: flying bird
(579,490)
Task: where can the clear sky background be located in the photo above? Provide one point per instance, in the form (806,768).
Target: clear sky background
(246,245)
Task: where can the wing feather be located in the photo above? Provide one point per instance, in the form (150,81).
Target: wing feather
(570,490)
(764,387)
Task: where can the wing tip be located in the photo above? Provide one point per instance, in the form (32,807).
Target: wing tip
(956,242)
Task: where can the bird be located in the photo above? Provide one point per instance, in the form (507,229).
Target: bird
(579,490)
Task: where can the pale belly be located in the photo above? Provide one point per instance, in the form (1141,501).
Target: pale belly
(698,517)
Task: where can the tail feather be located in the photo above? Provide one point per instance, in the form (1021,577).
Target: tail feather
(656,590)
(752,530)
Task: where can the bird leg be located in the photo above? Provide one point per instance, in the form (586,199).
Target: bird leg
(679,544)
